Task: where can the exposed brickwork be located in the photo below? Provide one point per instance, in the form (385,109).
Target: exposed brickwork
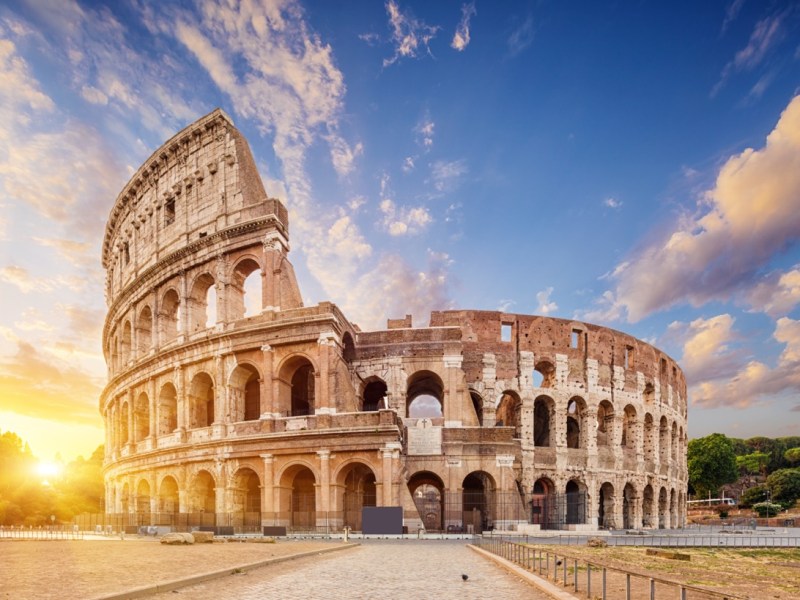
(211,409)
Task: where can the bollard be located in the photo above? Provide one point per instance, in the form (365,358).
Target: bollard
(575,575)
(652,589)
(547,566)
(627,586)
(565,571)
(604,583)
(683,593)
(588,580)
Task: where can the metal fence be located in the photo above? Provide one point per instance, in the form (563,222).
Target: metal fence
(593,580)
(41,533)
(684,540)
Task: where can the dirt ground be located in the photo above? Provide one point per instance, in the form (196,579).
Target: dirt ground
(85,569)
(759,574)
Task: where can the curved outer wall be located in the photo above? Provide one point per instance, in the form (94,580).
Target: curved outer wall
(231,405)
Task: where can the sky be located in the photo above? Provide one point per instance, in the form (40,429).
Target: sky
(630,164)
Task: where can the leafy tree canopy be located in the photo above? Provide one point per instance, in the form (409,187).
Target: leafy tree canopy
(711,463)
(784,485)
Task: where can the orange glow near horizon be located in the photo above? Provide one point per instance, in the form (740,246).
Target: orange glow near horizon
(53,441)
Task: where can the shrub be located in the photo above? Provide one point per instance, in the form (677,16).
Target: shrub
(752,496)
(767,509)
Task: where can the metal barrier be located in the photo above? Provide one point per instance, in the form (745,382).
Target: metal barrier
(685,540)
(594,580)
(40,534)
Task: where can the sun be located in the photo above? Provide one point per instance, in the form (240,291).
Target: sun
(48,469)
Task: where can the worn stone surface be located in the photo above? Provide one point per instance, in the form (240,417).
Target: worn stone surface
(203,537)
(177,539)
(221,412)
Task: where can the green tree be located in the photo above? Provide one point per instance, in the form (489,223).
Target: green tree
(792,455)
(711,463)
(751,464)
(752,496)
(775,449)
(784,485)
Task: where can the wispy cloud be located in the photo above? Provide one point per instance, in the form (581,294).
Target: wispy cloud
(750,215)
(521,37)
(545,305)
(777,293)
(446,176)
(410,36)
(731,12)
(766,34)
(424,131)
(612,203)
(461,37)
(404,220)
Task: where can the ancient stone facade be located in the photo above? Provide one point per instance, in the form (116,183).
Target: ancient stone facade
(229,403)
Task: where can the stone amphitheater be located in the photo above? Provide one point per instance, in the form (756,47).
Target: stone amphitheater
(232,405)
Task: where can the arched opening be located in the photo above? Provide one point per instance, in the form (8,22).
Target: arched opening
(245,298)
(124,432)
(303,498)
(674,444)
(543,410)
(202,499)
(374,396)
(649,438)
(141,417)
(424,395)
(605,423)
(576,416)
(359,490)
(125,344)
(168,499)
(167,409)
(648,516)
(628,506)
(348,348)
(543,374)
(201,401)
(245,393)
(427,490)
(662,508)
(113,351)
(477,406)
(247,500)
(477,502)
(125,499)
(663,440)
(629,426)
(576,502)
(303,391)
(143,502)
(144,331)
(169,323)
(199,317)
(649,393)
(544,509)
(673,509)
(509,412)
(605,507)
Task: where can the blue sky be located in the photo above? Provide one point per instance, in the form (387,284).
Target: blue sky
(635,165)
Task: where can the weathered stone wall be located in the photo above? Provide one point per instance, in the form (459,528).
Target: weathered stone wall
(293,414)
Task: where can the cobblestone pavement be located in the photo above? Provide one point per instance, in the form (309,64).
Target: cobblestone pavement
(376,569)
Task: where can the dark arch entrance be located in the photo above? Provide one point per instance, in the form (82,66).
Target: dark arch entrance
(477,501)
(543,505)
(576,503)
(359,491)
(427,490)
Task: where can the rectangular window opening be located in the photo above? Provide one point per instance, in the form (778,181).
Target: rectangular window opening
(576,338)
(628,357)
(505,332)
(663,366)
(169,212)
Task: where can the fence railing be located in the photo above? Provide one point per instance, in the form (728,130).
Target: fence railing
(685,540)
(41,533)
(593,580)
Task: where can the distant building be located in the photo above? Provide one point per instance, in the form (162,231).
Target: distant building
(230,404)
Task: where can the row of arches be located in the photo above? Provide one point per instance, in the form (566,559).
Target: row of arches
(153,326)
(574,425)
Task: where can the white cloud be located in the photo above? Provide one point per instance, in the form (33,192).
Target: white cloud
(446,175)
(766,34)
(20,278)
(425,130)
(754,381)
(404,220)
(612,203)
(777,294)
(93,96)
(409,35)
(707,348)
(408,164)
(731,13)
(461,36)
(751,215)
(521,37)
(545,306)
(505,305)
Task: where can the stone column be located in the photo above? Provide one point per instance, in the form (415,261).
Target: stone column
(265,384)
(325,480)
(131,411)
(321,394)
(151,405)
(451,405)
(182,407)
(386,477)
(268,485)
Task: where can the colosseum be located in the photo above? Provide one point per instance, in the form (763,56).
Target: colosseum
(231,405)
